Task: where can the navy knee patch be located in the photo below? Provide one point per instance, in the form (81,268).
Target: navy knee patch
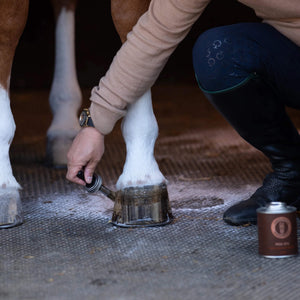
(222,59)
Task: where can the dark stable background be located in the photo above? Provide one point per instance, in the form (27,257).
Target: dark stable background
(97,43)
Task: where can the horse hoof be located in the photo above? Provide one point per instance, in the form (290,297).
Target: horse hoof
(142,206)
(10,209)
(56,152)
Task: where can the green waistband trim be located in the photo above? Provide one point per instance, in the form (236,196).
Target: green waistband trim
(243,82)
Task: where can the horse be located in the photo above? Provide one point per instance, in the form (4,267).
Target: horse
(65,100)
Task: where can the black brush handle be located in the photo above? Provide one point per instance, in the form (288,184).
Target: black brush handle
(96,185)
(80,175)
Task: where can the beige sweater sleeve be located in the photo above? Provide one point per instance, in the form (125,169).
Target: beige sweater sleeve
(141,58)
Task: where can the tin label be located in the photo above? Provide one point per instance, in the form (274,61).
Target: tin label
(281,227)
(277,234)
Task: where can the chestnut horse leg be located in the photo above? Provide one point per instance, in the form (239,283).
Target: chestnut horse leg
(65,95)
(139,127)
(13,16)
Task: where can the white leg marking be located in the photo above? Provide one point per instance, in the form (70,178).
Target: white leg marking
(140,131)
(7,132)
(65,95)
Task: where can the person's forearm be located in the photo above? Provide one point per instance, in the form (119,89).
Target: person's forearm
(142,57)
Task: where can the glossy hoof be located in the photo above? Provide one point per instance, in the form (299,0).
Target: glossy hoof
(142,207)
(10,209)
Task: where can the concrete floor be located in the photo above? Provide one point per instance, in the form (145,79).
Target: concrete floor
(67,248)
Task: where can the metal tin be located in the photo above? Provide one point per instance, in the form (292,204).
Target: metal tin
(277,230)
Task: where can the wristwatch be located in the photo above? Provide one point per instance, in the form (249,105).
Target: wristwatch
(85,119)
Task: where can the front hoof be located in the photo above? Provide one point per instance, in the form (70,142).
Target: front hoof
(56,152)
(10,209)
(142,206)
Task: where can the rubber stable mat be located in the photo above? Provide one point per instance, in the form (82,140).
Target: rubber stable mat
(68,249)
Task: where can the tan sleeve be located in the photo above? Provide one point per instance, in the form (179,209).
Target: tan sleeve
(141,58)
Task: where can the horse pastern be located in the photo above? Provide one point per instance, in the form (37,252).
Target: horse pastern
(57,150)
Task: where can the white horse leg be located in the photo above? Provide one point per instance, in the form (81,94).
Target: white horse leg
(13,16)
(10,204)
(65,96)
(140,131)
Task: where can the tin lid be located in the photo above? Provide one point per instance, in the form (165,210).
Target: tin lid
(276,208)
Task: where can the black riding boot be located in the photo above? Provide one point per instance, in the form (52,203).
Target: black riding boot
(258,115)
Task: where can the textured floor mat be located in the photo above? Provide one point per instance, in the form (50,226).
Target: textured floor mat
(68,249)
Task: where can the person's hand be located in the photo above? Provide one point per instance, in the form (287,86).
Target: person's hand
(84,154)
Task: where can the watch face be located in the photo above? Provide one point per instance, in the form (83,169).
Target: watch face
(85,119)
(82,118)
